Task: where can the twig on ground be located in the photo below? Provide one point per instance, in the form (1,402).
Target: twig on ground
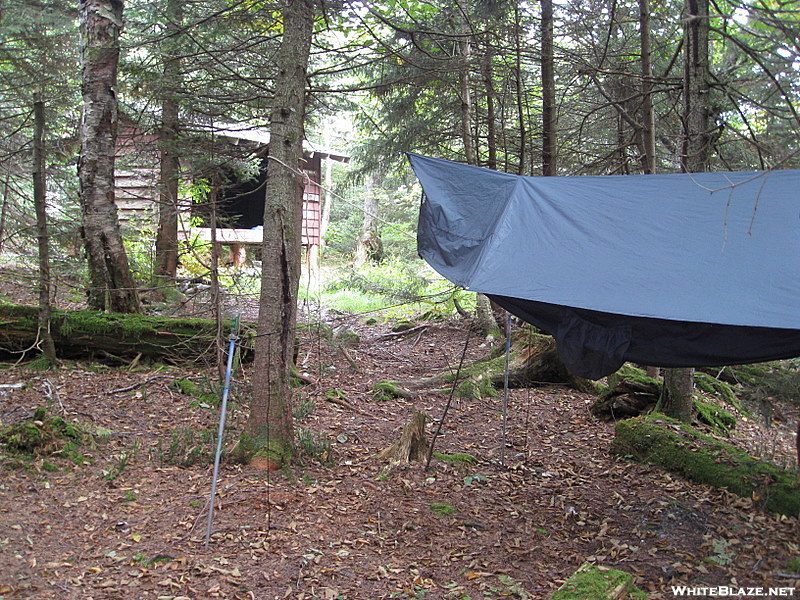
(147,381)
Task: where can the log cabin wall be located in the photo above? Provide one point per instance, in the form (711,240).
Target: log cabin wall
(137,175)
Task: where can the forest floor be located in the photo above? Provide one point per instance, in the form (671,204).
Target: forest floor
(130,522)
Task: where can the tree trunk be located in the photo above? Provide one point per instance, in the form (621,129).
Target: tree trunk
(549,117)
(484,315)
(112,284)
(688,453)
(369,247)
(534,361)
(4,211)
(697,104)
(269,431)
(491,116)
(679,383)
(648,130)
(42,238)
(465,51)
(166,250)
(677,400)
(518,89)
(648,118)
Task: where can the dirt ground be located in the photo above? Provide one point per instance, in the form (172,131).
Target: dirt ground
(130,523)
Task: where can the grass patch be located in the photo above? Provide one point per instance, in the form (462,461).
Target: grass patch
(187,447)
(457,458)
(441,509)
(592,582)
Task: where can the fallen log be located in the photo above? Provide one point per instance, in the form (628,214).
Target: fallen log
(93,334)
(631,392)
(684,451)
(533,362)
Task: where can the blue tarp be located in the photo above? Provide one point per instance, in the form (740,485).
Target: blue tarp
(671,270)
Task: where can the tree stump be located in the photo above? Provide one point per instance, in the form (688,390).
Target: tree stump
(412,445)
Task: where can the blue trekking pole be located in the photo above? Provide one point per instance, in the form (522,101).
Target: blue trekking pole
(223,410)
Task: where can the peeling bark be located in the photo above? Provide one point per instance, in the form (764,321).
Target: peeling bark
(111,282)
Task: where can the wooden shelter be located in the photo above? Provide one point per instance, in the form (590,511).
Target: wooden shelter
(240,203)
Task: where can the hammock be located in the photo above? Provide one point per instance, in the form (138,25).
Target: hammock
(680,270)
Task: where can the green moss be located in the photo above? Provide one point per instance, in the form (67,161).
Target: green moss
(41,363)
(481,368)
(629,372)
(793,564)
(442,510)
(403,325)
(335,394)
(388,390)
(126,329)
(316,328)
(720,420)
(276,452)
(750,375)
(475,389)
(204,394)
(459,457)
(683,450)
(715,387)
(44,435)
(592,582)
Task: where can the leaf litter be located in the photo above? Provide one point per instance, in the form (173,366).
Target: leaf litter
(130,522)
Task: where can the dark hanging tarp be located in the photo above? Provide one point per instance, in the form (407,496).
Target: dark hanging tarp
(680,270)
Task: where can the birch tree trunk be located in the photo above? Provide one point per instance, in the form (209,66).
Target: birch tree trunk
(111,283)
(269,432)
(369,246)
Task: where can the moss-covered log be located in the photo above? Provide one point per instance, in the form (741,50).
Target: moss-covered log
(631,392)
(682,450)
(533,361)
(86,333)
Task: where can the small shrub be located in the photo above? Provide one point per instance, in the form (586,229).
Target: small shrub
(304,408)
(313,445)
(187,447)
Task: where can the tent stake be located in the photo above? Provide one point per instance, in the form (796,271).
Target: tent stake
(505,388)
(449,400)
(223,410)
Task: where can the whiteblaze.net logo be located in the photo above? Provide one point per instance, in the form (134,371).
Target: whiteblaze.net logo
(725,591)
